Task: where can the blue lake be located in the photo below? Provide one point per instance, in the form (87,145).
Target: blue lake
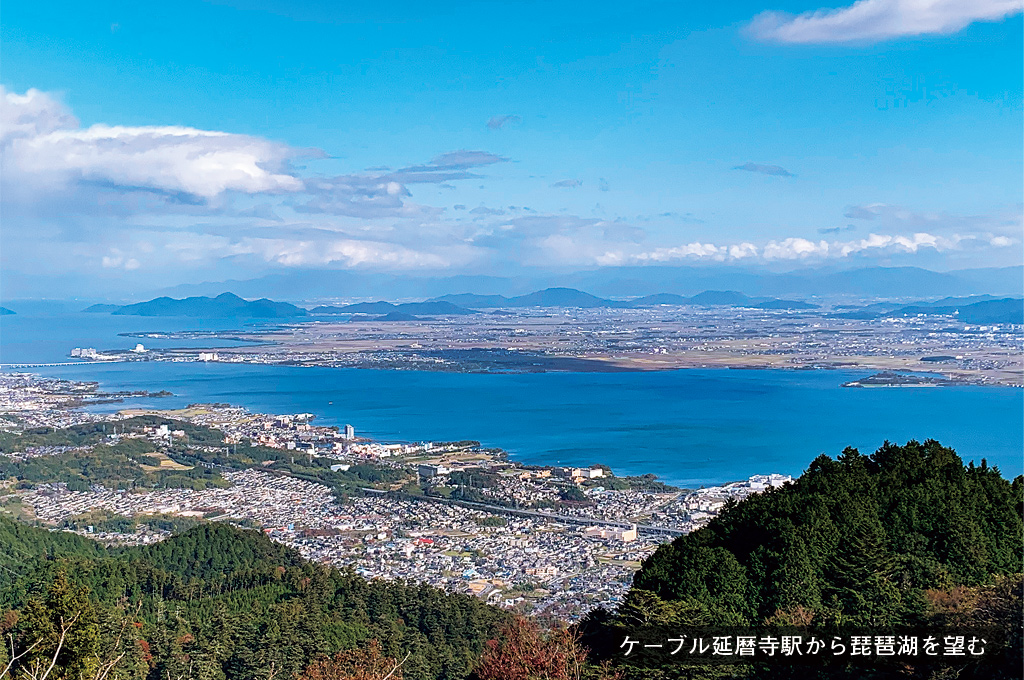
(48,335)
(689,427)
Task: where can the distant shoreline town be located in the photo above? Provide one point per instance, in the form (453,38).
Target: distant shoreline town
(974,340)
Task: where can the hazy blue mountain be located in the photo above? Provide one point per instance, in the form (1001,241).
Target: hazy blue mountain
(785,304)
(560,297)
(549,297)
(433,307)
(887,282)
(474,300)
(951,301)
(1002,281)
(4,311)
(224,306)
(659,299)
(379,307)
(1007,310)
(711,298)
(101,308)
(315,285)
(570,297)
(408,308)
(724,298)
(859,282)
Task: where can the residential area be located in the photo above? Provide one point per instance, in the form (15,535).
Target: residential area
(544,540)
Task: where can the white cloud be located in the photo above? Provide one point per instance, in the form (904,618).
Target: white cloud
(795,249)
(800,248)
(695,250)
(792,248)
(348,253)
(910,244)
(43,146)
(31,114)
(742,250)
(117,260)
(305,248)
(203,198)
(876,20)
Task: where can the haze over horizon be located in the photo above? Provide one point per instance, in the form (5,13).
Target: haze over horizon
(148,148)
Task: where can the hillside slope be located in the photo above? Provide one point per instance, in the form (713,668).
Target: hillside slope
(907,537)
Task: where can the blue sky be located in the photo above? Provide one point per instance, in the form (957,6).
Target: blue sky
(162,144)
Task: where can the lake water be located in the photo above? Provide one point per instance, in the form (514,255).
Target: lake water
(689,427)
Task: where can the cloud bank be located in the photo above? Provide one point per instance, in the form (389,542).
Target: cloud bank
(802,249)
(166,204)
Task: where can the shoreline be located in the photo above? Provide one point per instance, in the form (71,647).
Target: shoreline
(399,418)
(553,540)
(532,364)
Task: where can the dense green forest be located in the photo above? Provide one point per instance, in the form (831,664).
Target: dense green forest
(906,539)
(881,542)
(220,602)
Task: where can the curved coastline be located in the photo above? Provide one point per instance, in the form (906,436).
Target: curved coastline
(689,427)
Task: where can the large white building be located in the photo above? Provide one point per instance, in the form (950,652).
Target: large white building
(615,533)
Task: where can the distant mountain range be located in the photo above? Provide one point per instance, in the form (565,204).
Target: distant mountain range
(570,297)
(887,282)
(387,308)
(551,297)
(231,306)
(979,309)
(224,306)
(871,310)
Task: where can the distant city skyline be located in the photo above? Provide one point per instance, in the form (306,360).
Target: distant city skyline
(153,146)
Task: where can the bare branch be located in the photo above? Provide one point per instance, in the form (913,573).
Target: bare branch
(14,657)
(64,628)
(398,665)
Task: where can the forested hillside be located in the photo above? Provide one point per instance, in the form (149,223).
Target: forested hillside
(907,539)
(219,602)
(903,538)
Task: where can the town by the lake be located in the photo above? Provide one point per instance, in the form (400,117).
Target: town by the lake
(540,539)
